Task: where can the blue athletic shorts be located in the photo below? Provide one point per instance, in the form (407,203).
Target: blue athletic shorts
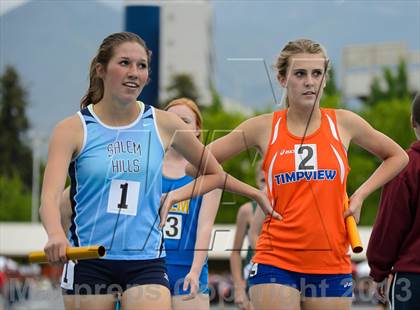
(101,276)
(177,274)
(310,285)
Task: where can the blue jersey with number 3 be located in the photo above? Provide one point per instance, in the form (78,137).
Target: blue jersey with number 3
(116,185)
(181,225)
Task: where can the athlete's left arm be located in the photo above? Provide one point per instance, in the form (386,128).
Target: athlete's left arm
(176,134)
(65,209)
(255,228)
(206,217)
(356,129)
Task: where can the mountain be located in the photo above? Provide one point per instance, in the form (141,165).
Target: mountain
(51,44)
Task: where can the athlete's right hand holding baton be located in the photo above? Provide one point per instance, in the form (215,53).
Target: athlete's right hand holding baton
(351,227)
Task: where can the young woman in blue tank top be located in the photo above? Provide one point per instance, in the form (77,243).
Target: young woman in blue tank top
(113,150)
(189,224)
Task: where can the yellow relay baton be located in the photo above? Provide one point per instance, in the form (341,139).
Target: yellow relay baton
(76,253)
(352,232)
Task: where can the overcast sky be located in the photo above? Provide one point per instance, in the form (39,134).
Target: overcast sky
(7,5)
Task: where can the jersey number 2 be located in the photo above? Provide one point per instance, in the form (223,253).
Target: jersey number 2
(306,157)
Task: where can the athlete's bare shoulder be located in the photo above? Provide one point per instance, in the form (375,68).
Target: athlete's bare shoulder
(259,130)
(261,120)
(68,134)
(69,127)
(246,208)
(244,215)
(73,121)
(168,123)
(349,124)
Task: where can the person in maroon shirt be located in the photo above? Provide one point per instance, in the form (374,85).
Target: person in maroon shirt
(394,246)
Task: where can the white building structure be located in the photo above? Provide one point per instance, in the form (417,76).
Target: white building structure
(186,43)
(362,63)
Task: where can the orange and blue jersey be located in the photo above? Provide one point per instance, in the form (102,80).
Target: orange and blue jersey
(306,182)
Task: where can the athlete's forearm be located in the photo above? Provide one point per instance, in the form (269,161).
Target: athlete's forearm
(198,187)
(49,210)
(230,184)
(236,268)
(200,256)
(255,228)
(207,215)
(205,183)
(201,248)
(201,159)
(50,214)
(60,150)
(191,171)
(233,185)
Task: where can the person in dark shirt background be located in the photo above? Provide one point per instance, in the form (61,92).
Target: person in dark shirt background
(394,246)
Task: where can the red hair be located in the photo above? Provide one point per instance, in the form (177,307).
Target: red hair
(193,107)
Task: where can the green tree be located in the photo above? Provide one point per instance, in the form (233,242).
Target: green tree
(15,155)
(391,117)
(402,87)
(396,85)
(182,85)
(331,88)
(332,95)
(216,104)
(387,108)
(15,201)
(218,123)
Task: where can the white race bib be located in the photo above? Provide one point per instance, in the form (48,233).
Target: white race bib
(173,226)
(123,197)
(67,276)
(306,157)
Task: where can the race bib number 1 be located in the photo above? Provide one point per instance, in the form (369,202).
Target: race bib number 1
(123,197)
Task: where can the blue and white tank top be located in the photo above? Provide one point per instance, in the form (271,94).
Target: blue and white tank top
(116,185)
(181,225)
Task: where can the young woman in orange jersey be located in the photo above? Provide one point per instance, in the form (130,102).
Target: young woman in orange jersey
(304,256)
